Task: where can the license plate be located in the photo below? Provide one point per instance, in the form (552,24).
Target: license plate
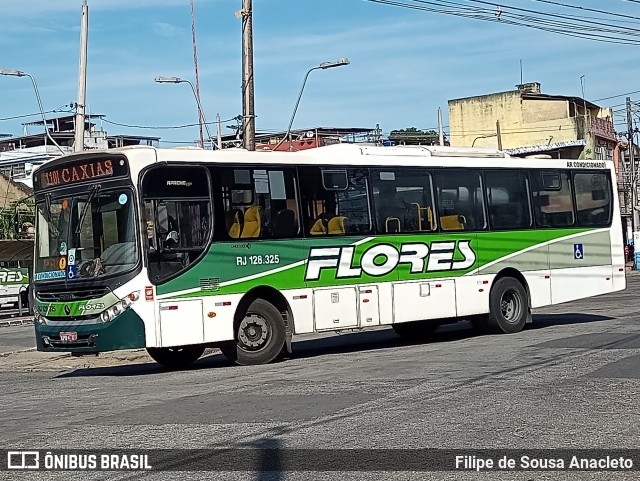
(69,336)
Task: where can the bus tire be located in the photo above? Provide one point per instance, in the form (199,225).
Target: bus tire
(176,357)
(259,335)
(415,329)
(508,306)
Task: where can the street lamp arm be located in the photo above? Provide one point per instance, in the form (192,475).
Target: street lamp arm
(323,66)
(201,117)
(287,135)
(44,120)
(20,73)
(200,111)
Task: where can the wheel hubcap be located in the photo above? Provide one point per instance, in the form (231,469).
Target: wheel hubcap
(511,306)
(254,333)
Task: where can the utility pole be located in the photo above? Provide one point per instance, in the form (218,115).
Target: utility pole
(248,113)
(219,137)
(634,221)
(498,135)
(195,64)
(440,128)
(78,143)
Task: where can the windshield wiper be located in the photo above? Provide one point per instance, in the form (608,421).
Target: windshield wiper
(95,188)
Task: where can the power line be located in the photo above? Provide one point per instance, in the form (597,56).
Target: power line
(614,96)
(60,109)
(578,7)
(156,127)
(569,26)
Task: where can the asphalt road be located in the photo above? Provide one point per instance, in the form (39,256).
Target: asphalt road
(571,380)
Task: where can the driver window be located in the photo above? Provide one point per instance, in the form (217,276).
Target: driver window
(177,214)
(403,201)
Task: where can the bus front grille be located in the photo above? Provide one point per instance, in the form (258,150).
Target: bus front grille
(51,295)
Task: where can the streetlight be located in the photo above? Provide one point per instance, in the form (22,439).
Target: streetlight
(19,73)
(322,66)
(201,118)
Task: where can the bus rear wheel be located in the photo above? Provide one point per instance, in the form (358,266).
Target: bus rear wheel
(418,330)
(259,335)
(175,357)
(508,306)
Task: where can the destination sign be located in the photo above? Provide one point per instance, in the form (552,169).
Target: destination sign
(81,171)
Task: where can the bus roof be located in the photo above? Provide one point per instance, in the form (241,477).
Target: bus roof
(346,154)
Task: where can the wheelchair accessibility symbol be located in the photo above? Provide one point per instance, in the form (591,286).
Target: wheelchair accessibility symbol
(578,251)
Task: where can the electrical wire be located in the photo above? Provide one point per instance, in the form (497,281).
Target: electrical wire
(60,109)
(556,23)
(167,127)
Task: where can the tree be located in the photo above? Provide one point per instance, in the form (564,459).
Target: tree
(413,136)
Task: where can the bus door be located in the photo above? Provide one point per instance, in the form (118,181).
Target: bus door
(337,210)
(178,218)
(406,205)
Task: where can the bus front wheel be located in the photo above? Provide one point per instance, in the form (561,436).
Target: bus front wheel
(508,306)
(259,336)
(175,357)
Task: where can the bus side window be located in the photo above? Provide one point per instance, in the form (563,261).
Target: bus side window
(403,200)
(335,201)
(552,199)
(508,198)
(259,203)
(593,198)
(460,200)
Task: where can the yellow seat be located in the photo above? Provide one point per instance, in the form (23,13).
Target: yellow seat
(451,222)
(234,224)
(252,223)
(336,225)
(318,228)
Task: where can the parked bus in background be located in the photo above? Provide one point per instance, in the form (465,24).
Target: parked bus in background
(177,250)
(14,283)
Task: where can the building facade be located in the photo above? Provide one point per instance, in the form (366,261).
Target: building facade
(527,122)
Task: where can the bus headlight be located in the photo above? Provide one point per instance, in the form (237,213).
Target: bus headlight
(38,318)
(119,307)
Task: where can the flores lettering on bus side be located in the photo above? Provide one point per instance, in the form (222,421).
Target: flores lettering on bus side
(381,259)
(11,276)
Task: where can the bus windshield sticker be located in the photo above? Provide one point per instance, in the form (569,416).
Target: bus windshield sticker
(63,248)
(122,200)
(72,272)
(40,276)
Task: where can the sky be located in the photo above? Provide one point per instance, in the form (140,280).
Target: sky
(405,64)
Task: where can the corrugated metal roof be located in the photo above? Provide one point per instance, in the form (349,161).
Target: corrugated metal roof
(530,149)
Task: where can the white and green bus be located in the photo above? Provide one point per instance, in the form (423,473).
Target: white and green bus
(177,250)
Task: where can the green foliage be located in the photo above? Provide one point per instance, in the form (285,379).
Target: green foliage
(25,209)
(412,135)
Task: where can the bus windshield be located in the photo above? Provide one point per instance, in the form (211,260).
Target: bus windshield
(86,236)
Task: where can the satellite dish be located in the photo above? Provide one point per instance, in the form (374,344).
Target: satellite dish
(309,134)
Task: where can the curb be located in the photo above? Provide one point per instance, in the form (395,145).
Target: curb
(19,351)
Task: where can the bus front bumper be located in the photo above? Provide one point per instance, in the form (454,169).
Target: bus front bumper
(124,332)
